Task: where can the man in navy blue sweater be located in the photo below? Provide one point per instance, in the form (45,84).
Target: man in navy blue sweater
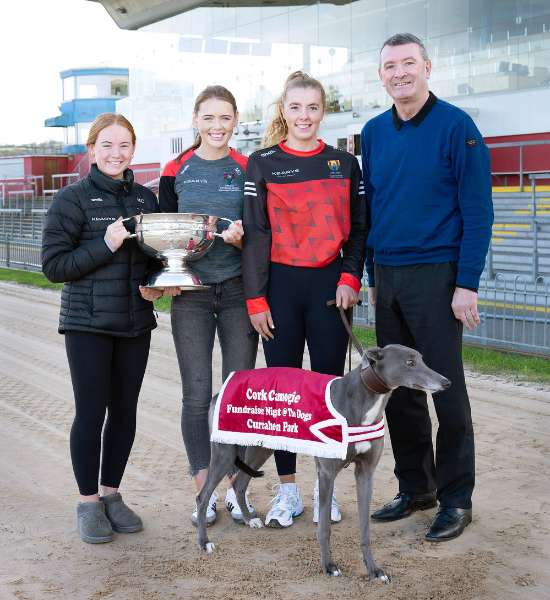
(427,176)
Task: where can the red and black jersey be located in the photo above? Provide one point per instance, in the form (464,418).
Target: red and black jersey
(301,209)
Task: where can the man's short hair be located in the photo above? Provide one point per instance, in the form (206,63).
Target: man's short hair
(400,39)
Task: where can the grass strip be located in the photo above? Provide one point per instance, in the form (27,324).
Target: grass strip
(28,278)
(481,360)
(488,361)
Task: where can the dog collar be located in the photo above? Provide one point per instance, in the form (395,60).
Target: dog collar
(374,382)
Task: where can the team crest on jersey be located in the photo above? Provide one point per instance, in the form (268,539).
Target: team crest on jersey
(334,168)
(228,178)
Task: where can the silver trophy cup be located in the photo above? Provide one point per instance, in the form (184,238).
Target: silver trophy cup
(176,239)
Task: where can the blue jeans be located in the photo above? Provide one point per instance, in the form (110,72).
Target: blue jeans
(196,316)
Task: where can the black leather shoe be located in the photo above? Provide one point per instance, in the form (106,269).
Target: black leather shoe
(449,523)
(403,505)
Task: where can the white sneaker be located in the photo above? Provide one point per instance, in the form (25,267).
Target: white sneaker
(335,513)
(210,511)
(287,505)
(233,506)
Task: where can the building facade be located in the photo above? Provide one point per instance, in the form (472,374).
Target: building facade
(490,57)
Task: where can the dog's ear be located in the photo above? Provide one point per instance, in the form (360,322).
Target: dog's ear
(373,355)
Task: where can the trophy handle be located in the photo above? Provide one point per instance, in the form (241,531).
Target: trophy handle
(223,219)
(132,218)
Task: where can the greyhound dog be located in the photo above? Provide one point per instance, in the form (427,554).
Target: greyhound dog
(361,397)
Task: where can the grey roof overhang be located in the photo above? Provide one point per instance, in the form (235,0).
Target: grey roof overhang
(133,14)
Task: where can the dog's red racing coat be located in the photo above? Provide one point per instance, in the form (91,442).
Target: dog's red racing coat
(285,409)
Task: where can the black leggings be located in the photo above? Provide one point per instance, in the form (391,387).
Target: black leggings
(298,298)
(106,373)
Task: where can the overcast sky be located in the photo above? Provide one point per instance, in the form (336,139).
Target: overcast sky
(40,38)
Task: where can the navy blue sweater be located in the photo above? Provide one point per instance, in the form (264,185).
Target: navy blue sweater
(428,185)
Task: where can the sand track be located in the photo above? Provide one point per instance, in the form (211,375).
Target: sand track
(504,555)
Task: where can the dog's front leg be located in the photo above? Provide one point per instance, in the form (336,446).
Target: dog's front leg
(327,469)
(255,457)
(221,461)
(363,480)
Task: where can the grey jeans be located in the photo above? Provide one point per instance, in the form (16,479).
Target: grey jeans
(196,316)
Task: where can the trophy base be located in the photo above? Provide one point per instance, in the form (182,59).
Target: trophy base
(185,280)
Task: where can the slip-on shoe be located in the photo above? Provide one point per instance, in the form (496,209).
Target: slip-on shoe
(403,505)
(449,523)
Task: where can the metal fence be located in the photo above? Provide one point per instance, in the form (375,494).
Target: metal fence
(20,254)
(515,313)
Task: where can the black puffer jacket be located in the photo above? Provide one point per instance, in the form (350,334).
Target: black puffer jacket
(101,292)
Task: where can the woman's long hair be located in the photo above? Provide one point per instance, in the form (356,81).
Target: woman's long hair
(277,129)
(212,91)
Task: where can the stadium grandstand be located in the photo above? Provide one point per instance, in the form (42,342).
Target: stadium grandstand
(490,57)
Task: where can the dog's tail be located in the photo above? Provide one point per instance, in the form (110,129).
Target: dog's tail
(248,470)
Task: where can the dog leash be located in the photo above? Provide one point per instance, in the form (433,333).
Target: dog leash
(369,377)
(348,324)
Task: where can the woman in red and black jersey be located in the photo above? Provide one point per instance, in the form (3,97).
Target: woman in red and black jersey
(304,222)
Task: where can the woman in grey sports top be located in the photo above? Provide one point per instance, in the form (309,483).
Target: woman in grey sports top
(208,178)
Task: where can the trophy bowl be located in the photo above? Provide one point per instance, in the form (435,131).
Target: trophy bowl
(176,239)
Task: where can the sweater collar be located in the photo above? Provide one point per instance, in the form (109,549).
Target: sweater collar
(110,185)
(420,115)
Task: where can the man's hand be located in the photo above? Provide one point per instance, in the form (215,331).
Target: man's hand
(372,295)
(263,324)
(346,296)
(464,307)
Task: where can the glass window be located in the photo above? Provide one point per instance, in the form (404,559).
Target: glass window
(190,44)
(82,131)
(215,46)
(303,26)
(334,25)
(87,90)
(119,86)
(68,89)
(239,48)
(368,25)
(205,22)
(260,49)
(275,29)
(367,91)
(247,15)
(93,86)
(445,17)
(70,136)
(411,16)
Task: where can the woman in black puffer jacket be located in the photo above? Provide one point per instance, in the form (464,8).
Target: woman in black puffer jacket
(106,316)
